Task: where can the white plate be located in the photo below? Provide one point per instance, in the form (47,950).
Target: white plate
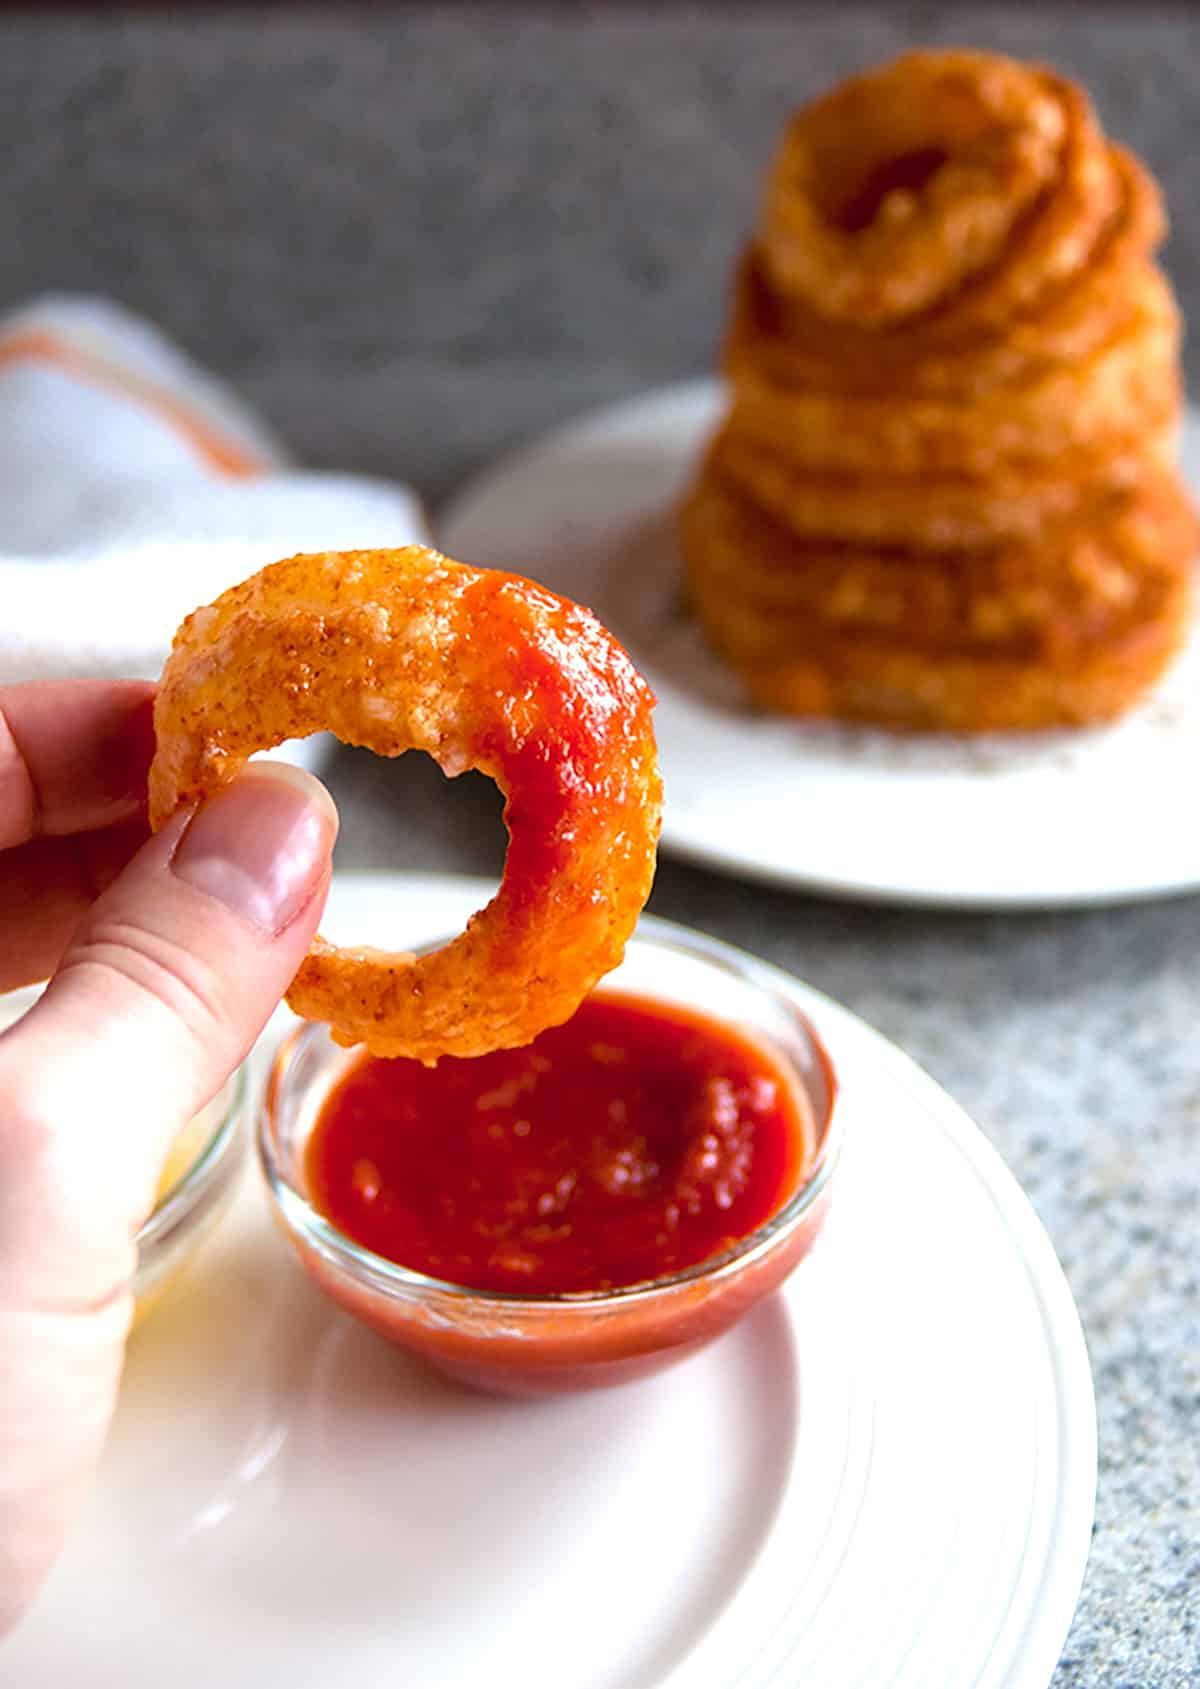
(1079,818)
(883,1477)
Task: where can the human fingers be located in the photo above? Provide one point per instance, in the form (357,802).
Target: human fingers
(163,989)
(47,885)
(74,755)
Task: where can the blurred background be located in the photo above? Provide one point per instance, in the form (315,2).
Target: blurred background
(414,234)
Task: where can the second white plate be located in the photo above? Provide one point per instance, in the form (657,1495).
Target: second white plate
(884,1476)
(1079,818)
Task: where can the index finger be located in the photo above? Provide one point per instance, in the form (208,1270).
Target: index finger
(74,755)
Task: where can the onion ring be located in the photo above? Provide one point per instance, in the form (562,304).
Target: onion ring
(1128,385)
(788,341)
(935,512)
(406,649)
(1080,580)
(902,186)
(944,493)
(1068,631)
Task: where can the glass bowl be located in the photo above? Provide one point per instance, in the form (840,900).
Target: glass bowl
(534,1344)
(196,1184)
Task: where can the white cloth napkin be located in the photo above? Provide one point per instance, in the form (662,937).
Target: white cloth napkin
(134,487)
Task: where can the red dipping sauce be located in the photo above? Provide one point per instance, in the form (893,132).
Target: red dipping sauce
(632,1143)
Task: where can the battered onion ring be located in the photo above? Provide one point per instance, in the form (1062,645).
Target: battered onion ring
(790,342)
(401,649)
(892,686)
(1128,386)
(933,512)
(1021,641)
(944,494)
(903,185)
(1077,582)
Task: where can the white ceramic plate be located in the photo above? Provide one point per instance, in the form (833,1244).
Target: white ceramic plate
(883,1477)
(1079,818)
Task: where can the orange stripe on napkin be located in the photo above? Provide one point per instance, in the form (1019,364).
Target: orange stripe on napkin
(221,453)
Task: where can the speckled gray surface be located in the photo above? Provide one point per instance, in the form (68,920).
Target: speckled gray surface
(414,236)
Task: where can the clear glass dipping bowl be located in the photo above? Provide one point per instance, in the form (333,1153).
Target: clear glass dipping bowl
(197,1181)
(197,1186)
(522,1344)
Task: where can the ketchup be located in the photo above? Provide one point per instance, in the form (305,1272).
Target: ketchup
(634,1141)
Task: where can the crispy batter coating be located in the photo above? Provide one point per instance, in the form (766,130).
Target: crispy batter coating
(404,649)
(786,338)
(905,183)
(1128,384)
(939,512)
(969,642)
(1081,585)
(944,494)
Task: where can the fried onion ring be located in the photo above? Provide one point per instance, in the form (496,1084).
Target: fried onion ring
(396,650)
(1014,639)
(899,188)
(936,512)
(944,493)
(1079,582)
(1127,386)
(789,342)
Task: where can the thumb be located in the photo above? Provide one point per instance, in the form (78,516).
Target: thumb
(167,983)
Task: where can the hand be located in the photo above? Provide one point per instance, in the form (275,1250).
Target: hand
(168,955)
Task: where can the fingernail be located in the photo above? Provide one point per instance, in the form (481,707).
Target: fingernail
(260,845)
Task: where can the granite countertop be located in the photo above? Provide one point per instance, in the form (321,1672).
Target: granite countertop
(414,236)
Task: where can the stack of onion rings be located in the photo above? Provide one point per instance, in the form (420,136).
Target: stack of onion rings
(401,649)
(955,376)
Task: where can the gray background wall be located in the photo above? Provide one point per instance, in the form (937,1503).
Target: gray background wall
(446,226)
